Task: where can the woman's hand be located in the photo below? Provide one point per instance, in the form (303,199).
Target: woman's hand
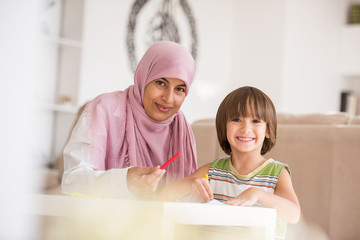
(247,198)
(143,181)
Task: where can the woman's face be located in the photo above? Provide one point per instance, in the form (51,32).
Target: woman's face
(163,97)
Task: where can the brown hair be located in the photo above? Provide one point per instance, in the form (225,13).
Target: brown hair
(246,102)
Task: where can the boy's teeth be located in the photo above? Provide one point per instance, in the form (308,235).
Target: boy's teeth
(245,139)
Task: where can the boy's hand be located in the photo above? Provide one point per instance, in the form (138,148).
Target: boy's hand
(247,198)
(201,188)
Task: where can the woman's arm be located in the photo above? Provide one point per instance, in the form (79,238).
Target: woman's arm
(81,178)
(284,199)
(194,183)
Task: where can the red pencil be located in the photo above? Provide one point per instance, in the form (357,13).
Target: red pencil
(171,159)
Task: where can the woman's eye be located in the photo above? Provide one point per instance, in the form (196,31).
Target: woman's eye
(160,83)
(256,121)
(180,89)
(236,120)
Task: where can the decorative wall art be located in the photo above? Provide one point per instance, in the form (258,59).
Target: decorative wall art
(155,20)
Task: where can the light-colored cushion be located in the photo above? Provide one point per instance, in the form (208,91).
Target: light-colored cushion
(345,208)
(49,178)
(314,118)
(355,120)
(307,149)
(207,145)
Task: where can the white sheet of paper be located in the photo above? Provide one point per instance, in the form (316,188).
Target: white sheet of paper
(214,201)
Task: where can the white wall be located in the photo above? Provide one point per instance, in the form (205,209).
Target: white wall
(287,48)
(259,46)
(19,74)
(311,80)
(105,66)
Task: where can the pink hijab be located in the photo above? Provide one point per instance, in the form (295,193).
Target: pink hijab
(121,133)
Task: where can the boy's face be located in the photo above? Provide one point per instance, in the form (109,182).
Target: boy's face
(246,134)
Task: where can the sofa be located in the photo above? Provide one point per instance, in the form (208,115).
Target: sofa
(323,152)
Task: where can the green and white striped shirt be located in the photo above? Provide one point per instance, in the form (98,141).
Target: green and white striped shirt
(226,183)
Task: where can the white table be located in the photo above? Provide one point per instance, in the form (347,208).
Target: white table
(135,219)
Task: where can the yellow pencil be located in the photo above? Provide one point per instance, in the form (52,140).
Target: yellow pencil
(206,177)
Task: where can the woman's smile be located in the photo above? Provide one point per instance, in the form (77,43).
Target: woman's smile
(163,108)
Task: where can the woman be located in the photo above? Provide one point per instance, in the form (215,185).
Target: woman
(122,138)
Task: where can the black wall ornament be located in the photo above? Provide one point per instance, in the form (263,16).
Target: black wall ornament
(163,25)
